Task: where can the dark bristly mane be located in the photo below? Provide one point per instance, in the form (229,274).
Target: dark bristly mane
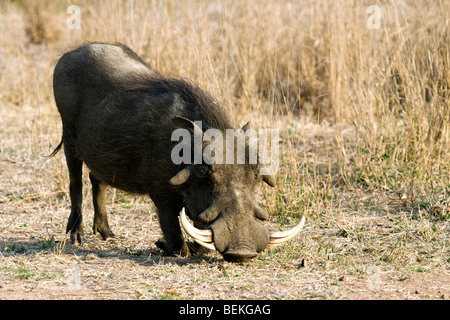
(147,79)
(203,105)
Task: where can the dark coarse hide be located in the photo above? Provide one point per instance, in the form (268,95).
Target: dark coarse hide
(118,116)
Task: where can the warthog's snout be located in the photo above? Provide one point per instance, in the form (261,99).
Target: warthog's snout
(236,250)
(239,255)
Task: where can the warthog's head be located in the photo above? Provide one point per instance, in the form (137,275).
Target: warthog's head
(220,198)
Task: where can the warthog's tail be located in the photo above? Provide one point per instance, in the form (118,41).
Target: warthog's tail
(51,155)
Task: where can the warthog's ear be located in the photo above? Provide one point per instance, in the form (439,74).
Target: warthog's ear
(245,127)
(184,123)
(269,179)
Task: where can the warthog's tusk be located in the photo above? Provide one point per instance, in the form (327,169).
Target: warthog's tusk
(276,237)
(202,237)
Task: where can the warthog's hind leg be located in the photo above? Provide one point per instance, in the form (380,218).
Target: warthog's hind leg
(75,222)
(100,216)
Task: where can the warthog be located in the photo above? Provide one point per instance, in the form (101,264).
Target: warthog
(118,116)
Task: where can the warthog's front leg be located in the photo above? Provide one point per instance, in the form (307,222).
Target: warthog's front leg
(173,241)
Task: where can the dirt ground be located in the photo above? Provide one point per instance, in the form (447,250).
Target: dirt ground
(36,262)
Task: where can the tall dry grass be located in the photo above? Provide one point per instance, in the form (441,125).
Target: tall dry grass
(279,62)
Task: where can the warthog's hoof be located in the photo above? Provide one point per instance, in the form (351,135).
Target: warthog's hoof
(104,230)
(164,246)
(76,237)
(76,232)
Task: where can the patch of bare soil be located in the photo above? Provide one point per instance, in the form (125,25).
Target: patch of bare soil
(329,260)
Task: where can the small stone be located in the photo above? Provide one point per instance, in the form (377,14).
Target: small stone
(302,264)
(138,294)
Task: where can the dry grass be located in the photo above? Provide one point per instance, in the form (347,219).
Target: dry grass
(364,119)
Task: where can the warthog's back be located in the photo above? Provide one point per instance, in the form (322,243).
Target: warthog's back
(117,59)
(117,114)
(99,67)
